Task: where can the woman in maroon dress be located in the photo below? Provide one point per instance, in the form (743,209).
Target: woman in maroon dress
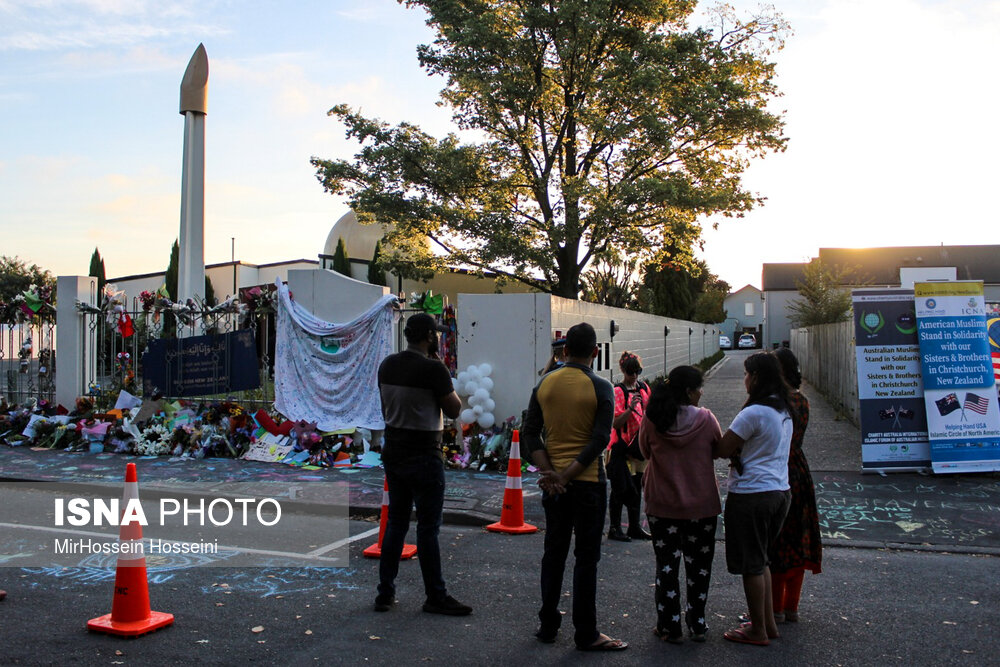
(798,547)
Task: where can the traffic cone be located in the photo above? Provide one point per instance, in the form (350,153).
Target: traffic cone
(512,515)
(375,550)
(130,615)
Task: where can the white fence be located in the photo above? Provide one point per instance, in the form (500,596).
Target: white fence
(513,333)
(827,358)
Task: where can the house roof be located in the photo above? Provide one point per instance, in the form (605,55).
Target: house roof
(748,286)
(881,265)
(778,277)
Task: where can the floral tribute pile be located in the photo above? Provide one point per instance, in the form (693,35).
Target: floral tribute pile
(178,428)
(224,429)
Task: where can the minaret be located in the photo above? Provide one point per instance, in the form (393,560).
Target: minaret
(194,106)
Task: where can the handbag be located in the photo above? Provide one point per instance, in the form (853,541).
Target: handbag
(632,449)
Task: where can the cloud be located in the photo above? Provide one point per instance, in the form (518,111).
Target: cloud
(56,25)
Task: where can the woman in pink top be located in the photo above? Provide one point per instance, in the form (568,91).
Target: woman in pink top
(682,499)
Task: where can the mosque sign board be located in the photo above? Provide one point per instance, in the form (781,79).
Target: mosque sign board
(201,365)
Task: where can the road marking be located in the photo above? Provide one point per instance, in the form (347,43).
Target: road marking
(345,541)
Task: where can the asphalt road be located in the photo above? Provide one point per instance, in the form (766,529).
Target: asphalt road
(932,601)
(867,607)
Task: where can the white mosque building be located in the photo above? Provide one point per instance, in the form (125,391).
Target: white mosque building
(359,241)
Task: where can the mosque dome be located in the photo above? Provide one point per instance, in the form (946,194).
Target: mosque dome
(359,240)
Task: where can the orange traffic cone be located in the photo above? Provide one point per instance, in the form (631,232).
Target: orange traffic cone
(375,550)
(512,515)
(130,615)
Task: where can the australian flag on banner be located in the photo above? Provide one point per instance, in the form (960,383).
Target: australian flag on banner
(889,413)
(947,405)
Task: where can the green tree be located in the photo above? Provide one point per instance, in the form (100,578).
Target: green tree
(611,283)
(341,264)
(709,304)
(97,270)
(824,300)
(210,299)
(16,276)
(170,278)
(606,124)
(376,272)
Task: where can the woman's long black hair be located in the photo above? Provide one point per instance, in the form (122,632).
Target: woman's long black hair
(669,395)
(767,385)
(789,367)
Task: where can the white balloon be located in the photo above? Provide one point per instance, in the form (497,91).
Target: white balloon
(481,394)
(485,369)
(474,373)
(478,410)
(471,388)
(468,416)
(463,377)
(486,383)
(475,399)
(488,404)
(486,420)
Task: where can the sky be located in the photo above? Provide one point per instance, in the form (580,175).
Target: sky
(890,108)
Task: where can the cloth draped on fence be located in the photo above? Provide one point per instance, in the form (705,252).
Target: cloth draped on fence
(328,373)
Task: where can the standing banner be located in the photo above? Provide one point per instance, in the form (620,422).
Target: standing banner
(963,415)
(890,390)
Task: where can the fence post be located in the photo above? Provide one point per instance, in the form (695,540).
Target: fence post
(75,348)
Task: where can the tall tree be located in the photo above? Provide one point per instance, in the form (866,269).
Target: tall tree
(606,123)
(824,299)
(376,272)
(341,264)
(610,282)
(97,271)
(16,276)
(709,304)
(170,278)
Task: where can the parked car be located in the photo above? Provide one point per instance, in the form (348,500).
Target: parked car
(747,341)
(725,343)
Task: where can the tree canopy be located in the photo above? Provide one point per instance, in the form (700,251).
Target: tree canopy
(97,271)
(341,264)
(684,291)
(604,124)
(16,276)
(824,300)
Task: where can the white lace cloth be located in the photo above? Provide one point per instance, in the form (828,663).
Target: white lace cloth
(328,373)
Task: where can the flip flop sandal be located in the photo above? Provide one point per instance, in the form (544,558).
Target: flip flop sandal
(738,636)
(604,643)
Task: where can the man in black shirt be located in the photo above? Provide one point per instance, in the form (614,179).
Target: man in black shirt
(415,388)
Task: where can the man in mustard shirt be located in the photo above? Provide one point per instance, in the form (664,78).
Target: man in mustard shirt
(574,407)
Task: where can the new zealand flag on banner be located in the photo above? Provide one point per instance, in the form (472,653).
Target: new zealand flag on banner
(948,404)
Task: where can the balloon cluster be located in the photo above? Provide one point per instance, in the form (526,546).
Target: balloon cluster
(475,383)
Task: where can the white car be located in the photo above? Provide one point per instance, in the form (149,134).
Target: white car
(746,341)
(725,343)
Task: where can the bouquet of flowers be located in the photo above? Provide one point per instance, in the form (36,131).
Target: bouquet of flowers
(259,301)
(148,299)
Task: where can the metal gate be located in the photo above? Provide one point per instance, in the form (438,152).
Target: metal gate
(115,340)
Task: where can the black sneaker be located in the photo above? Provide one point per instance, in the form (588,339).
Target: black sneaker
(448,606)
(384,602)
(617,535)
(639,534)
